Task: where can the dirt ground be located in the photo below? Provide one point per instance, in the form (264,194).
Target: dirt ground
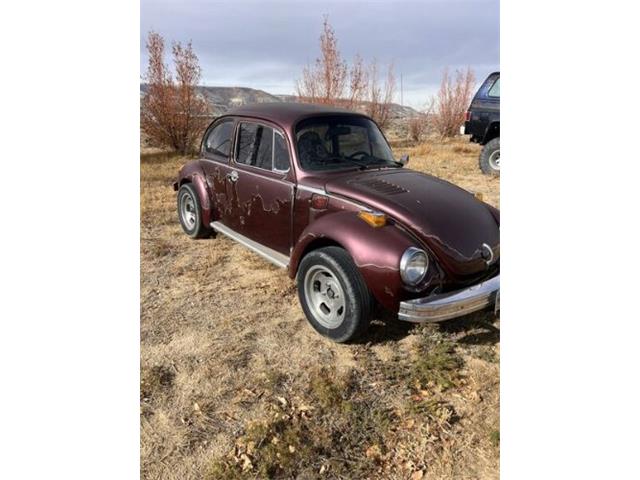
(236,384)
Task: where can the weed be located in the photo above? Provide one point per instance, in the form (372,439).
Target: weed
(437,363)
(494,437)
(465,149)
(155,379)
(326,390)
(337,433)
(274,380)
(159,248)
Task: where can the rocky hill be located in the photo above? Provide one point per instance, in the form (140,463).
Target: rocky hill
(222,99)
(397,111)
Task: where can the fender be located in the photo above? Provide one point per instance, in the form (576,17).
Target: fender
(492,131)
(192,173)
(375,251)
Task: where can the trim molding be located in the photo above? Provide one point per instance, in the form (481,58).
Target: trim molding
(267,253)
(319,191)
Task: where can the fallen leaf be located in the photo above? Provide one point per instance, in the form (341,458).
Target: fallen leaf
(246,462)
(373,452)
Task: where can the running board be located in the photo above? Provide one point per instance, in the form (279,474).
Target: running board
(267,253)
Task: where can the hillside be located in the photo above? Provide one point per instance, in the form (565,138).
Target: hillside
(397,111)
(222,99)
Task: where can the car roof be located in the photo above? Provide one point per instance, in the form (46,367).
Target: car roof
(287,114)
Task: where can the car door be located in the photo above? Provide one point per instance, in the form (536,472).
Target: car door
(263,187)
(216,155)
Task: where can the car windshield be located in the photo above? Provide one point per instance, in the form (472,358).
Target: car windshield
(328,143)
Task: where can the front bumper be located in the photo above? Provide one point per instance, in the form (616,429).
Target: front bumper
(444,306)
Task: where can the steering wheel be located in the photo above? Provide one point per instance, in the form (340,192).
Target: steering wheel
(360,152)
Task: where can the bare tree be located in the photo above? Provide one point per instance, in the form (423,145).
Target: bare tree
(358,82)
(332,81)
(452,101)
(380,97)
(172,114)
(417,127)
(325,81)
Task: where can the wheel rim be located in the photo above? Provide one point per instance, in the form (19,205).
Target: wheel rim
(325,296)
(188,210)
(494,160)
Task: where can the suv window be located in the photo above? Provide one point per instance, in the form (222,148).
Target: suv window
(219,138)
(262,147)
(494,91)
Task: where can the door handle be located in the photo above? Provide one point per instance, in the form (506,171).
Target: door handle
(233,176)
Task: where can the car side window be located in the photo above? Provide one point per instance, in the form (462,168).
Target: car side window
(494,91)
(262,147)
(219,139)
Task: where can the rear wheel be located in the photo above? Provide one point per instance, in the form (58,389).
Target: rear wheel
(333,294)
(490,157)
(190,212)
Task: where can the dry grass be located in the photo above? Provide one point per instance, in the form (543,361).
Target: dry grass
(454,160)
(235,384)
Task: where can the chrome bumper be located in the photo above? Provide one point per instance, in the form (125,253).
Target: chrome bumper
(444,306)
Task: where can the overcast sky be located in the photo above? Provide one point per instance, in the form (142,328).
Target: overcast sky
(265,44)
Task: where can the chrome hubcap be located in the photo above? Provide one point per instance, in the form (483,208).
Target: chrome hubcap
(494,160)
(188,210)
(325,296)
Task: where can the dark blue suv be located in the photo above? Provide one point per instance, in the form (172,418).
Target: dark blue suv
(483,123)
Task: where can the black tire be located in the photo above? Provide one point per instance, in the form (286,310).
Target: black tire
(359,302)
(193,226)
(488,157)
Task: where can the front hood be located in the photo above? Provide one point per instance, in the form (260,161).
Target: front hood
(452,223)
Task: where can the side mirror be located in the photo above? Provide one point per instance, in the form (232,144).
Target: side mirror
(404,160)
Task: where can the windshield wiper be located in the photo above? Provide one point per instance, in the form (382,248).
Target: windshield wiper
(363,166)
(382,162)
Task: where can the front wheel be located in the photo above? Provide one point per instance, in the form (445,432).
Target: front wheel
(490,157)
(333,294)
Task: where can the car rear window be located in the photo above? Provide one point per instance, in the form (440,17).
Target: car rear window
(219,138)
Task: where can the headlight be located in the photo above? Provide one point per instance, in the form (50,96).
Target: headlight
(413,266)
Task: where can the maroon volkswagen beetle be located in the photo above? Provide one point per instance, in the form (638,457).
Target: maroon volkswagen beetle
(317,191)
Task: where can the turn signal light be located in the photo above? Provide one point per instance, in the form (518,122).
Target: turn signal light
(375,219)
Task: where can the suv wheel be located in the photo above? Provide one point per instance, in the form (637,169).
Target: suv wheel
(333,294)
(490,157)
(189,212)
